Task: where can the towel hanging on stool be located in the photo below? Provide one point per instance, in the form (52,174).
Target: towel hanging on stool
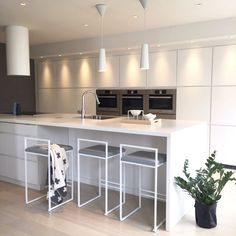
(59,165)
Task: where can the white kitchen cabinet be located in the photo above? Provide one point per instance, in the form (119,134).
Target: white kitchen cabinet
(130,73)
(47,100)
(162,70)
(224,65)
(67,100)
(109,78)
(194,67)
(223,105)
(223,141)
(85,72)
(12,154)
(64,73)
(193,103)
(46,74)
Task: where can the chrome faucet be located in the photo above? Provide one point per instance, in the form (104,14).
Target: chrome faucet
(83,101)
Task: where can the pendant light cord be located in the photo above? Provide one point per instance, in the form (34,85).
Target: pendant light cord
(144,23)
(101,31)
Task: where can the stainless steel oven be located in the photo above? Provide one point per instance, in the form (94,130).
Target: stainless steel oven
(132,100)
(109,102)
(162,102)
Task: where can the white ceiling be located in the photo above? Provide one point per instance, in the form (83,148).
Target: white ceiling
(63,20)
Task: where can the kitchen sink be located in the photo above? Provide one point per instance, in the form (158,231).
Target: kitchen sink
(97,117)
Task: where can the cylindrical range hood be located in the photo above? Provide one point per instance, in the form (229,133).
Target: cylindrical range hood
(17,48)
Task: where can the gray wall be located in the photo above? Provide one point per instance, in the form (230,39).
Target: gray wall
(19,89)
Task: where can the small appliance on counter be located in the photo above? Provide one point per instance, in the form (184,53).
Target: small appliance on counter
(16,109)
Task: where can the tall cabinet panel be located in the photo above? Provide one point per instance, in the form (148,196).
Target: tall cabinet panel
(46,74)
(223,105)
(47,102)
(223,141)
(64,73)
(109,78)
(193,103)
(162,70)
(224,65)
(194,67)
(130,73)
(85,72)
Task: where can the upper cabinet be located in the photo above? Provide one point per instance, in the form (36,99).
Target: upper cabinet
(162,70)
(194,67)
(109,78)
(130,73)
(64,71)
(224,65)
(46,74)
(85,72)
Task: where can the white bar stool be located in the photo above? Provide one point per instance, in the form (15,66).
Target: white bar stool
(41,147)
(102,151)
(146,157)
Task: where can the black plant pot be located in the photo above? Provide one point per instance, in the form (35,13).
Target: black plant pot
(205,215)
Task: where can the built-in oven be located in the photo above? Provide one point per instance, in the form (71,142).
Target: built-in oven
(162,102)
(132,100)
(109,102)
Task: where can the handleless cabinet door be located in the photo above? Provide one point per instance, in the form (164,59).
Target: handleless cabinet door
(109,78)
(224,65)
(85,72)
(193,103)
(130,73)
(47,102)
(46,74)
(162,70)
(194,67)
(65,73)
(223,141)
(223,106)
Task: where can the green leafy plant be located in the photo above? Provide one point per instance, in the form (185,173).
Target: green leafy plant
(208,183)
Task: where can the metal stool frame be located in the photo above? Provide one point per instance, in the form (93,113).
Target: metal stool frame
(105,158)
(122,182)
(69,182)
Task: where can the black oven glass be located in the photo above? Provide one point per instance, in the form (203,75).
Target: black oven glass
(107,101)
(161,102)
(131,103)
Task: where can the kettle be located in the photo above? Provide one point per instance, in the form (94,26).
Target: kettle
(16,109)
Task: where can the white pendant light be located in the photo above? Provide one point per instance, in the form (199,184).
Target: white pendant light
(144,62)
(17,50)
(101,8)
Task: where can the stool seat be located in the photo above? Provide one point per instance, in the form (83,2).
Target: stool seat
(100,151)
(43,149)
(144,158)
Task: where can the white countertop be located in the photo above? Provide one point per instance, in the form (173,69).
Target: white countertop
(164,129)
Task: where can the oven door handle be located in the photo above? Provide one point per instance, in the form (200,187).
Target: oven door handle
(161,97)
(133,97)
(114,96)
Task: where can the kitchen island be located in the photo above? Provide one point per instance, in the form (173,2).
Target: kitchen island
(178,139)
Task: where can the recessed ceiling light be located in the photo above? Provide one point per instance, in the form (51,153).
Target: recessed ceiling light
(23,4)
(128,48)
(192,41)
(199,4)
(85,25)
(80,53)
(135,16)
(59,55)
(41,57)
(158,45)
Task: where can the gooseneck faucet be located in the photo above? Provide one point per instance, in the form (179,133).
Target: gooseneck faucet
(83,101)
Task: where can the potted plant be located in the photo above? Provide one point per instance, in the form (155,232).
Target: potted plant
(205,187)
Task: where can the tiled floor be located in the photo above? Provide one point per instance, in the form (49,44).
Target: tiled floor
(17,219)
